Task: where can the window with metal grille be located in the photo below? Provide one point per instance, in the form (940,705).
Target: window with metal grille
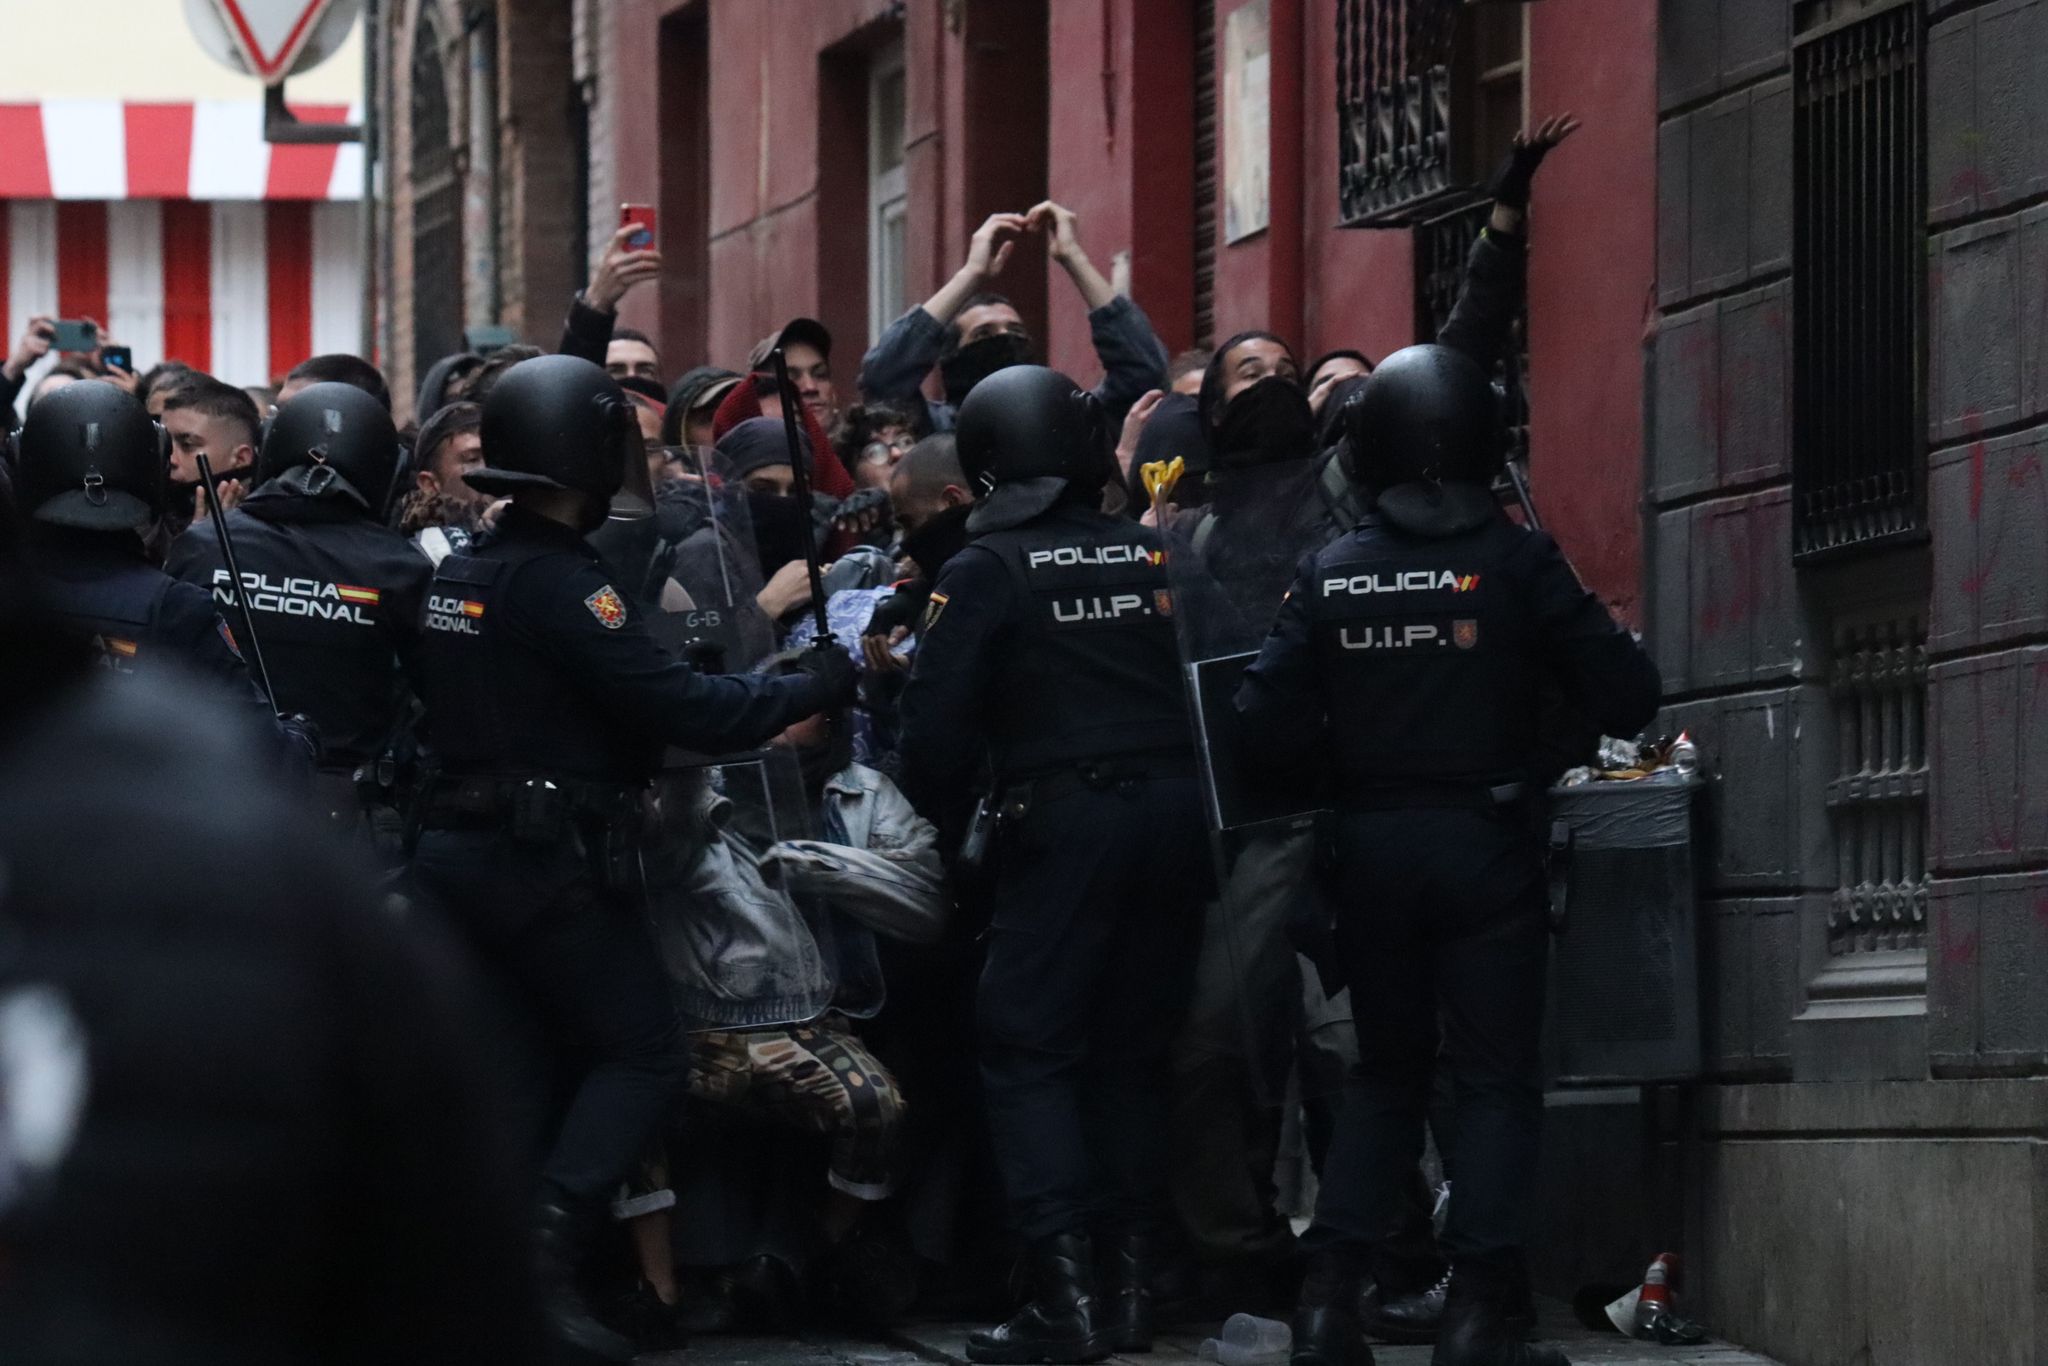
(1429,94)
(1859,258)
(1205,172)
(1878,798)
(436,209)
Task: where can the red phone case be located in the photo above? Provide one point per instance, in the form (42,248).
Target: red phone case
(642,214)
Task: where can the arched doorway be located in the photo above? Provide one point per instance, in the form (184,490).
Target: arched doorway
(436,208)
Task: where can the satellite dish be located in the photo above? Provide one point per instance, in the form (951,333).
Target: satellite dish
(271,39)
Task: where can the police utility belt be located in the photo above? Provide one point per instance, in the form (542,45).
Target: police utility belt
(532,810)
(1012,799)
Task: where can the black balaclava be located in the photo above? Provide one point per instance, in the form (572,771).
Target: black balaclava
(781,530)
(1174,431)
(1268,421)
(942,537)
(967,366)
(1330,423)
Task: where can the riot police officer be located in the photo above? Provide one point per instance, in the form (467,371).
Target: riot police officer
(548,708)
(90,471)
(1048,650)
(336,594)
(1408,667)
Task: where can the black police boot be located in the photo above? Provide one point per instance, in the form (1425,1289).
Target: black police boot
(1326,1328)
(1483,1316)
(1124,1308)
(1410,1318)
(561,1234)
(1060,1324)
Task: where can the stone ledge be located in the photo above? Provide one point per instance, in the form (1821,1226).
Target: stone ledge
(1992,1107)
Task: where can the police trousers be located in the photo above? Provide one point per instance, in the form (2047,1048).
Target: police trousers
(1443,934)
(1096,919)
(581,967)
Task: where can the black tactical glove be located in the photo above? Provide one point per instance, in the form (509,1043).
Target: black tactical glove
(833,672)
(1510,184)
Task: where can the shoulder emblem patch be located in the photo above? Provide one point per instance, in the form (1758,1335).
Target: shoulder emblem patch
(1465,632)
(227,636)
(933,608)
(606,605)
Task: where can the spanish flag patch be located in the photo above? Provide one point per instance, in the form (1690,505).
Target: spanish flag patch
(362,597)
(932,608)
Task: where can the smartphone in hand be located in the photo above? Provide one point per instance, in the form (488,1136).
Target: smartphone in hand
(641,216)
(120,358)
(74,335)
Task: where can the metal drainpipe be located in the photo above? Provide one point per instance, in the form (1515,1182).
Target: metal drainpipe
(485,298)
(371,144)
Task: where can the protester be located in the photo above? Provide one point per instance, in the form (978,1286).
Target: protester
(970,332)
(441,512)
(693,405)
(631,355)
(776,1024)
(871,438)
(1184,372)
(336,368)
(206,417)
(807,352)
(34,344)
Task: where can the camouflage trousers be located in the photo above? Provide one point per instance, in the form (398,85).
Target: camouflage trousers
(818,1077)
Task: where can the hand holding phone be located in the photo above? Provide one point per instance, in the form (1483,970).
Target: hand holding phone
(642,217)
(120,358)
(74,335)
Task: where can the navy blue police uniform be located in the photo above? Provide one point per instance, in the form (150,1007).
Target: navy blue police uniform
(1049,647)
(1408,669)
(548,708)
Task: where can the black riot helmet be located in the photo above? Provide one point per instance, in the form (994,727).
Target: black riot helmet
(1028,422)
(91,457)
(335,436)
(1027,437)
(1427,413)
(559,422)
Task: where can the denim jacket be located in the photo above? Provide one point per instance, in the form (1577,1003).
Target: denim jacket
(778,936)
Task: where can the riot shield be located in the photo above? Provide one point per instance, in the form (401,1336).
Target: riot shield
(707,568)
(739,948)
(1231,557)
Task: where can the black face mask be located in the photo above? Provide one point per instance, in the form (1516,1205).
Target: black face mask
(977,360)
(943,536)
(781,530)
(1267,422)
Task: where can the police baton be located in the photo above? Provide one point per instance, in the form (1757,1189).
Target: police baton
(802,472)
(218,515)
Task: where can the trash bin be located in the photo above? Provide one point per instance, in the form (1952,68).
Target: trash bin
(1625,979)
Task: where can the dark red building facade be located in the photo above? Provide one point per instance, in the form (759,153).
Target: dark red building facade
(756,127)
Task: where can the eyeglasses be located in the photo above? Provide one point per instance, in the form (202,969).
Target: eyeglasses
(882,450)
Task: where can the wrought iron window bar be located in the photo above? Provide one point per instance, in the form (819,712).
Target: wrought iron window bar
(1859,259)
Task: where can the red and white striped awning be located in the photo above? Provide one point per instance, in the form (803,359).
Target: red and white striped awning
(242,290)
(204,150)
